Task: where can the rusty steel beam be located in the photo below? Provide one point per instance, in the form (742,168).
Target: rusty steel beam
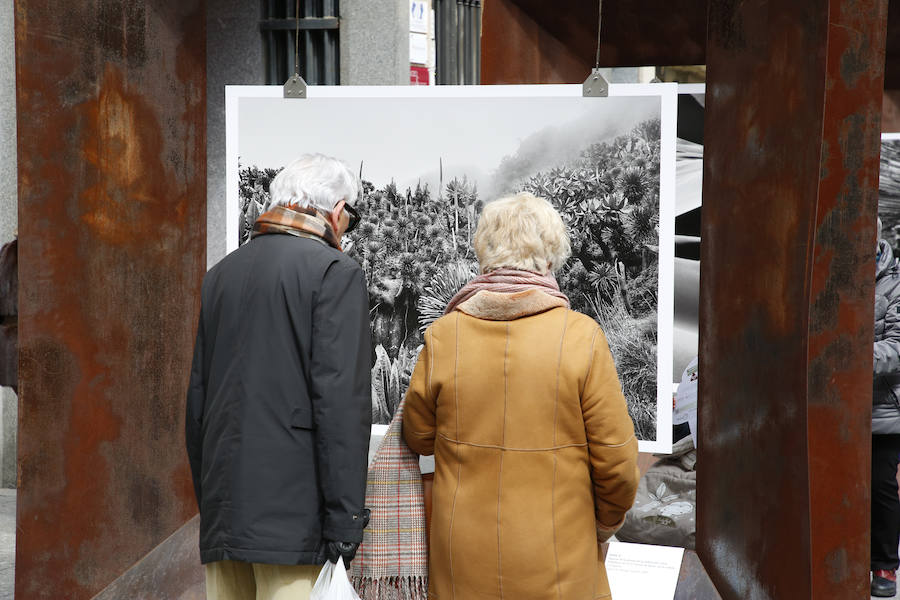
(534,41)
(111,120)
(171,571)
(793,109)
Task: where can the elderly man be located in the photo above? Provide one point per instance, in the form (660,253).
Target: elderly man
(279,408)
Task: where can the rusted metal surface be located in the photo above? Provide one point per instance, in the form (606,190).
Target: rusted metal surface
(693,581)
(793,109)
(9,300)
(534,41)
(111,169)
(171,571)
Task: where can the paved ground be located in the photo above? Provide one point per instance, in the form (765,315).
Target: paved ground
(7,543)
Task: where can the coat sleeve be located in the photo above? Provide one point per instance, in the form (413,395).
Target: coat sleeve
(419,407)
(612,444)
(340,391)
(887,350)
(196,401)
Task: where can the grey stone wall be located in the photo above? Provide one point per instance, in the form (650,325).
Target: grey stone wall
(234,56)
(374,47)
(8,193)
(374,42)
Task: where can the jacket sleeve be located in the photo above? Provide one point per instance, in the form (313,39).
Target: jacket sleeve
(341,395)
(612,444)
(196,401)
(419,407)
(887,350)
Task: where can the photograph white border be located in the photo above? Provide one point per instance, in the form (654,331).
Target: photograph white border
(668,94)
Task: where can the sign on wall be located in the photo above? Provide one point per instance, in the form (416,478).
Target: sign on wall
(431,157)
(418,16)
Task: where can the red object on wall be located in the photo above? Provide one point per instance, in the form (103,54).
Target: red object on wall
(418,75)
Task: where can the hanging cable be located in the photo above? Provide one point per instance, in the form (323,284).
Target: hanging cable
(295,87)
(297,40)
(599,24)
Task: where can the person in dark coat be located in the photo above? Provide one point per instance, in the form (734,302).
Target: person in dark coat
(279,405)
(886,423)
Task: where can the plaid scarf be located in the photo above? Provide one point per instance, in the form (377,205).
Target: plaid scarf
(392,561)
(297,221)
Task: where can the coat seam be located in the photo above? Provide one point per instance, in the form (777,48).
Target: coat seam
(617,445)
(509,449)
(555,539)
(590,360)
(562,339)
(458,462)
(430,361)
(500,470)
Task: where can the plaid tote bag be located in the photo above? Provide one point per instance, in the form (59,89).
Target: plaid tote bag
(392,561)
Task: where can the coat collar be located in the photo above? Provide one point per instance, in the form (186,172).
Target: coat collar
(497,306)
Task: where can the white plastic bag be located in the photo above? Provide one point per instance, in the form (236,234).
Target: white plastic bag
(333,584)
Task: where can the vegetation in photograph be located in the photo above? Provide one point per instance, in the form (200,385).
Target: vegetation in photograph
(415,245)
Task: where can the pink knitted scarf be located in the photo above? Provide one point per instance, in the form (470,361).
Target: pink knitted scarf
(507,281)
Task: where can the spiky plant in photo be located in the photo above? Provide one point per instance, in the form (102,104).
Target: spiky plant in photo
(443,286)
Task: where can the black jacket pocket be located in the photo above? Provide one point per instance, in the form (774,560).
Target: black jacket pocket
(301,418)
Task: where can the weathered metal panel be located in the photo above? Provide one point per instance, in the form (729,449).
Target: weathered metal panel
(172,571)
(841,290)
(534,41)
(693,581)
(111,164)
(790,191)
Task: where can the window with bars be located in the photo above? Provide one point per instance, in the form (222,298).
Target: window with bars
(318,43)
(458,41)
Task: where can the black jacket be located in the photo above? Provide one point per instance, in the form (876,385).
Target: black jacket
(279,405)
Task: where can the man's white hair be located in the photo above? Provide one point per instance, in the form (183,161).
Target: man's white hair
(521,232)
(314,181)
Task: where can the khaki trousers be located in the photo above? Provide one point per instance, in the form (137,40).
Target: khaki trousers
(232,580)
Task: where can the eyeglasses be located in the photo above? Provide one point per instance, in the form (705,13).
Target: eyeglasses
(353,216)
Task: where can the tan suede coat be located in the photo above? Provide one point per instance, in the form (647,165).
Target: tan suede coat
(535,455)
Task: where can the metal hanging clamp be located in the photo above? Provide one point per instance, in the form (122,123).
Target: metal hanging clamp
(595,86)
(295,87)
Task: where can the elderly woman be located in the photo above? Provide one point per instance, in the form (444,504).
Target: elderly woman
(518,399)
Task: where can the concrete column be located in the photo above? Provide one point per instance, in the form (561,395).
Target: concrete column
(8,211)
(234,56)
(374,42)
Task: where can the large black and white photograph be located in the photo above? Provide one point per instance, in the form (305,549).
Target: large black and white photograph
(430,161)
(889,190)
(688,208)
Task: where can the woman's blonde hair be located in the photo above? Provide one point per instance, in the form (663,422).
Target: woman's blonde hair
(521,232)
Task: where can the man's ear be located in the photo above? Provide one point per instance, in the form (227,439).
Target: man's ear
(335,216)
